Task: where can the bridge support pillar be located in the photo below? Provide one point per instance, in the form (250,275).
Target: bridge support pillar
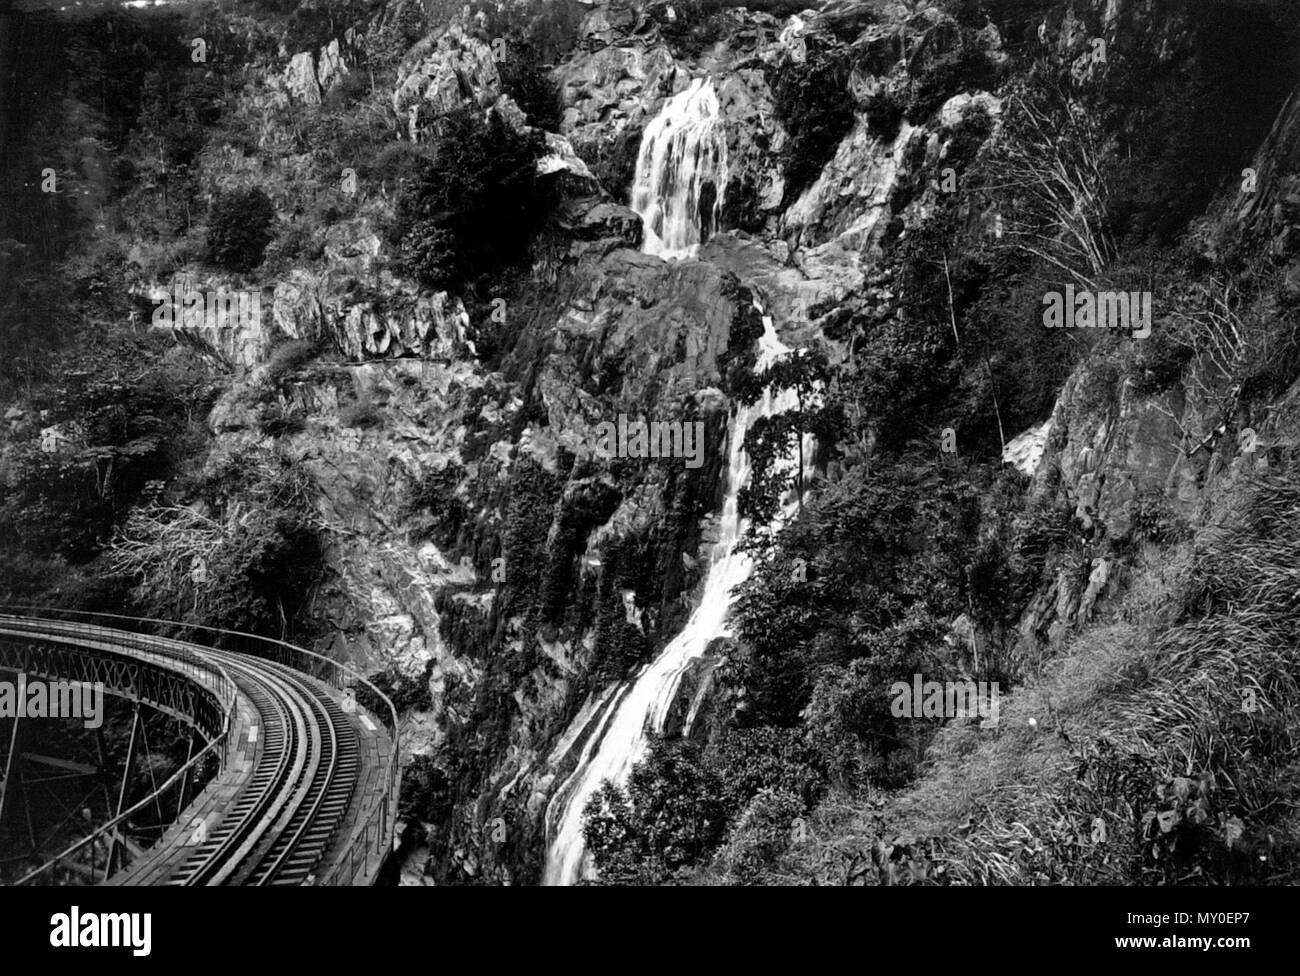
(8,776)
(105,778)
(111,866)
(185,780)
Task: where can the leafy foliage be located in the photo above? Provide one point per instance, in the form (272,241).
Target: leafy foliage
(117,418)
(239,228)
(671,815)
(776,439)
(811,105)
(682,800)
(525,80)
(244,556)
(472,206)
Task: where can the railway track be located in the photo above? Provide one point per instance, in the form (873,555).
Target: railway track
(285,810)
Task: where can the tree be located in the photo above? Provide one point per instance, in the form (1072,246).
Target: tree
(239,228)
(244,554)
(772,439)
(670,817)
(115,419)
(471,206)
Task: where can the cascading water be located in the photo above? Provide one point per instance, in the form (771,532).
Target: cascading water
(619,739)
(683,151)
(683,159)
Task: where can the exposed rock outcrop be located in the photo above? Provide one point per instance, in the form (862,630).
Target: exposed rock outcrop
(308,77)
(445,72)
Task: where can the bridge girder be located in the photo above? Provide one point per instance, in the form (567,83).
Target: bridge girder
(167,690)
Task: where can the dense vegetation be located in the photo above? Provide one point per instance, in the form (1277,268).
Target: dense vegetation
(865,583)
(239,228)
(471,204)
(902,556)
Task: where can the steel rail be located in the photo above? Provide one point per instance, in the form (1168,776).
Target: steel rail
(295,810)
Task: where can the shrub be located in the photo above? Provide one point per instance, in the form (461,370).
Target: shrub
(1154,519)
(812,105)
(885,115)
(549,27)
(763,833)
(1157,363)
(434,495)
(282,420)
(426,791)
(386,167)
(245,557)
(696,24)
(965,69)
(473,207)
(525,80)
(239,229)
(296,241)
(613,163)
(669,818)
(288,358)
(394,32)
(122,409)
(406,692)
(363,414)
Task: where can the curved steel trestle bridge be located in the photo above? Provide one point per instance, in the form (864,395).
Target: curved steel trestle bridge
(299,753)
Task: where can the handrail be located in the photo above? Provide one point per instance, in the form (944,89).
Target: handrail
(186,660)
(382,813)
(225,684)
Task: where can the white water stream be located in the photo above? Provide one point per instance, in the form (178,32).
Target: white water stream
(683,150)
(618,739)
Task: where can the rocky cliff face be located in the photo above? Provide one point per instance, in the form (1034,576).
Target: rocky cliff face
(626,333)
(409,419)
(1115,455)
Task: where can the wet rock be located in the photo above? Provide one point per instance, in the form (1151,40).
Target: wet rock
(561,161)
(849,201)
(591,219)
(1026,451)
(605,91)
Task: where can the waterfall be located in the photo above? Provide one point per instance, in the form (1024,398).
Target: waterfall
(618,737)
(683,158)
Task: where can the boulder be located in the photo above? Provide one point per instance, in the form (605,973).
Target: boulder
(590,219)
(561,159)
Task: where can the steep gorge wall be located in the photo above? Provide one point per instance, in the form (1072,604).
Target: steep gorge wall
(480,554)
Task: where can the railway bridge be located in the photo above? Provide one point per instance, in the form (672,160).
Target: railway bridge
(293,772)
